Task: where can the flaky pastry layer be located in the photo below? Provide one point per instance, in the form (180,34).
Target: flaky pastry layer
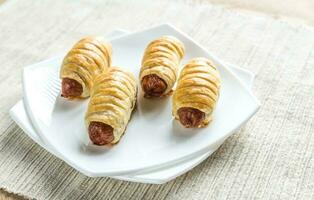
(112,100)
(198,87)
(162,58)
(88,57)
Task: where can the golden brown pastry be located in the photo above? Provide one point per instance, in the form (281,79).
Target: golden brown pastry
(160,66)
(88,57)
(112,101)
(196,93)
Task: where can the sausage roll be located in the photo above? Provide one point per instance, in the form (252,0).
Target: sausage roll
(160,66)
(88,57)
(196,94)
(112,101)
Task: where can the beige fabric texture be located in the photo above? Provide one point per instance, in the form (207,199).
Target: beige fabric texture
(271,157)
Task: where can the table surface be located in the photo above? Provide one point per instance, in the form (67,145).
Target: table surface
(303,12)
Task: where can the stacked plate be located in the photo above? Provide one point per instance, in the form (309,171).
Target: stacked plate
(155,148)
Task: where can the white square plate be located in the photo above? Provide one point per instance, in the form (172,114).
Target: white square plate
(159,176)
(152,139)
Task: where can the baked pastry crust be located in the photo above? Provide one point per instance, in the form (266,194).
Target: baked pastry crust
(88,57)
(198,87)
(112,100)
(162,58)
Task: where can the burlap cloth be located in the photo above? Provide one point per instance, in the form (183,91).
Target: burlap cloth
(272,157)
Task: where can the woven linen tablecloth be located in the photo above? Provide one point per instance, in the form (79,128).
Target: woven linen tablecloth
(271,157)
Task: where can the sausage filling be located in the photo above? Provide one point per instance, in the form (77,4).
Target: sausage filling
(71,88)
(100,133)
(191,117)
(153,86)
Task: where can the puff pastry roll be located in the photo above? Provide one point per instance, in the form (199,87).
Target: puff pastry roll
(160,66)
(196,94)
(88,57)
(112,101)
